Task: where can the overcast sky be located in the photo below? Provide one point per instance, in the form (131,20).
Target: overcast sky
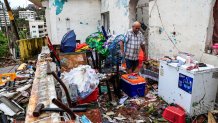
(16,3)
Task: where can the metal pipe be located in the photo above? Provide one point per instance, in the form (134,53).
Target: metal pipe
(37,111)
(69,101)
(65,108)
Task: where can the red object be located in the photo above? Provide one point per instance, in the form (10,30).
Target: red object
(215,46)
(141,58)
(50,46)
(79,46)
(192,67)
(133,74)
(93,97)
(174,114)
(215,17)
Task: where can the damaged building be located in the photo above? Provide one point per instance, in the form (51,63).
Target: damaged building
(169,30)
(111,61)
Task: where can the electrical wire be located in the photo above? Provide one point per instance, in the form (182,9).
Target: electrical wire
(164,28)
(152,7)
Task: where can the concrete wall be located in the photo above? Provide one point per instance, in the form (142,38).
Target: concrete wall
(119,14)
(142,15)
(183,22)
(124,12)
(82,16)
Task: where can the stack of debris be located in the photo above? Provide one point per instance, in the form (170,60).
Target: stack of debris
(15,92)
(5,62)
(138,109)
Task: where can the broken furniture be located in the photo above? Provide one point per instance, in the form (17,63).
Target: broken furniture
(87,100)
(194,90)
(45,101)
(72,60)
(111,73)
(150,70)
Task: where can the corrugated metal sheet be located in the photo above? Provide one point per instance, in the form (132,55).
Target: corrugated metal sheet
(30,48)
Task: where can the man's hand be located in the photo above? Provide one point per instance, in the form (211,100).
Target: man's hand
(122,47)
(145,56)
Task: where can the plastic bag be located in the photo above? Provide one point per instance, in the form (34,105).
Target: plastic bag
(141,58)
(84,78)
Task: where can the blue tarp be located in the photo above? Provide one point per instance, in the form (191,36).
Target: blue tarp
(68,43)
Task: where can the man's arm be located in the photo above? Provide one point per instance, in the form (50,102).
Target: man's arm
(125,40)
(143,45)
(122,46)
(143,48)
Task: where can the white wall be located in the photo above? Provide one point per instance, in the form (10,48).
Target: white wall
(189,19)
(84,18)
(119,15)
(124,12)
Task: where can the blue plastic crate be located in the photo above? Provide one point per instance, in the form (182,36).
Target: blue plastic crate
(133,90)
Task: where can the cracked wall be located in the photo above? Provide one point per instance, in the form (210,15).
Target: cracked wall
(82,16)
(183,23)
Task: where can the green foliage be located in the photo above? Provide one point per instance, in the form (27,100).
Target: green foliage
(3,45)
(23,34)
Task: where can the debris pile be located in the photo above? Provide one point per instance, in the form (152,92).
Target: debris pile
(5,62)
(137,109)
(15,92)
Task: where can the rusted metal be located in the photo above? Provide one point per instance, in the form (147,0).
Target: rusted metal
(43,91)
(65,108)
(37,111)
(69,101)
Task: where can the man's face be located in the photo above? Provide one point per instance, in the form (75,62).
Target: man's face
(136,28)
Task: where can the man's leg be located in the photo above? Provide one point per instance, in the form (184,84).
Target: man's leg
(135,65)
(129,65)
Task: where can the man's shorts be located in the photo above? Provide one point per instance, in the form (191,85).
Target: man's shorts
(132,64)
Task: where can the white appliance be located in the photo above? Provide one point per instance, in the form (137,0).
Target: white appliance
(194,90)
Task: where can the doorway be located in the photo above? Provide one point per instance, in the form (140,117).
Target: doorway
(139,11)
(105,17)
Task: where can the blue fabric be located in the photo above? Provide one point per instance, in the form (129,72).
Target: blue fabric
(68,42)
(104,32)
(132,64)
(114,49)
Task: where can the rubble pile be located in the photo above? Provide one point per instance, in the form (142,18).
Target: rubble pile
(5,62)
(15,93)
(136,109)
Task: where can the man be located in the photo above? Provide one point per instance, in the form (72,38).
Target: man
(134,40)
